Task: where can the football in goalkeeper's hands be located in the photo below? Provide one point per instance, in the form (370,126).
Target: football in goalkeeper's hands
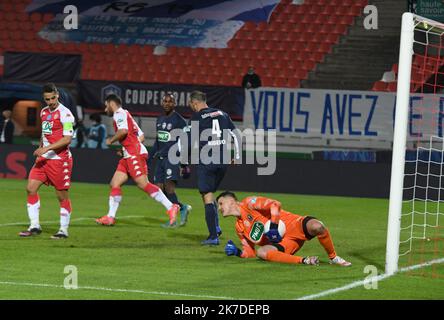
(281,227)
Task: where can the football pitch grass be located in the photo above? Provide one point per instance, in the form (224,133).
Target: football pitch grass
(138,259)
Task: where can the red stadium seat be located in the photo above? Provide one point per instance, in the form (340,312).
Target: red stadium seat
(36,17)
(26,26)
(293,83)
(31,46)
(354,11)
(4,35)
(13,26)
(340,29)
(325,48)
(47,17)
(379,86)
(19,7)
(22,17)
(308,65)
(7,7)
(37,26)
(392,86)
(18,45)
(346,20)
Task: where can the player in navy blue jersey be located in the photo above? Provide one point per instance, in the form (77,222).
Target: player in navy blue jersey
(166,174)
(216,131)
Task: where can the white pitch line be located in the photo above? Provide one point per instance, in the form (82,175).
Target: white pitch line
(369,280)
(58,221)
(158,293)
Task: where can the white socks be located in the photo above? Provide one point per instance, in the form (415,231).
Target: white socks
(159,196)
(114,202)
(33,214)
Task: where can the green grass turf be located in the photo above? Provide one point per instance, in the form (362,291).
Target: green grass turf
(139,259)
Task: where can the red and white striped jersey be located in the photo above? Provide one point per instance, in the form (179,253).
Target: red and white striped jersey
(55,125)
(122,119)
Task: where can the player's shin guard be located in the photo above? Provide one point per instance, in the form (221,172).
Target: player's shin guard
(65,214)
(33,206)
(115,198)
(327,243)
(210,218)
(277,256)
(157,194)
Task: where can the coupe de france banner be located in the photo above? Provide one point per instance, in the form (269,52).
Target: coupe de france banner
(181,23)
(351,115)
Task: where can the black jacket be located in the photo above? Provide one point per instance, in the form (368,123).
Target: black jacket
(9,131)
(253,79)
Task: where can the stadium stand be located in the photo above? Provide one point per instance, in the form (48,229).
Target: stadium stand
(300,35)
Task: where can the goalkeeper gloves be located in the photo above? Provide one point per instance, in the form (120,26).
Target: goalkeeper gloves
(273,234)
(311,260)
(232,250)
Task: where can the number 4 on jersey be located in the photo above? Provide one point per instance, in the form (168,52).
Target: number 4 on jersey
(216,128)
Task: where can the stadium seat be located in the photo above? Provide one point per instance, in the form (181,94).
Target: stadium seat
(279,82)
(18,45)
(392,86)
(95,48)
(354,11)
(43,46)
(37,26)
(31,46)
(19,7)
(12,26)
(47,17)
(308,65)
(325,48)
(379,86)
(346,20)
(7,7)
(36,17)
(4,35)
(339,29)
(22,17)
(293,83)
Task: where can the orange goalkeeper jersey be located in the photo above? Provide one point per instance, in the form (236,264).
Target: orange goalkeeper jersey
(255,212)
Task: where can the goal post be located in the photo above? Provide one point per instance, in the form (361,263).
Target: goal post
(417,183)
(399,142)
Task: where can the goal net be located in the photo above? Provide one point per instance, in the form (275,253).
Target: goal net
(415,235)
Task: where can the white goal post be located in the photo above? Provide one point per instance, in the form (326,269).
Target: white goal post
(399,143)
(417,39)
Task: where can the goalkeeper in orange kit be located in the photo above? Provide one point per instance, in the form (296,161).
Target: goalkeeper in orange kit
(253,212)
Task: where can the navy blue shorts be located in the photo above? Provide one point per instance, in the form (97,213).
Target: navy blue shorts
(210,176)
(165,171)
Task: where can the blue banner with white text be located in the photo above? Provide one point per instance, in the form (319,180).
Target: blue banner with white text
(190,23)
(338,114)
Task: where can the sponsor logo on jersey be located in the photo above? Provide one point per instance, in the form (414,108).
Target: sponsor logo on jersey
(163,136)
(169,126)
(256,231)
(212,114)
(47,127)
